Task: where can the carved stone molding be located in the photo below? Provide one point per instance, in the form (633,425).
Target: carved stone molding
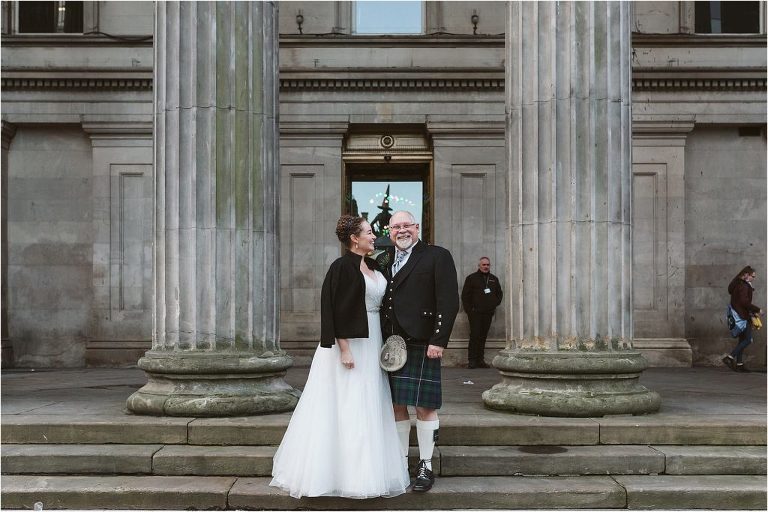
(680,84)
(143,84)
(286,85)
(683,84)
(78,40)
(400,40)
(105,128)
(316,129)
(386,143)
(658,127)
(468,129)
(392,146)
(391,84)
(640,40)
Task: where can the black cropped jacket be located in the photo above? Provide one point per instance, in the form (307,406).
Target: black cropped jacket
(342,300)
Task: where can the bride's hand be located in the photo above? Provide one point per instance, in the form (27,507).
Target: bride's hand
(346,359)
(346,354)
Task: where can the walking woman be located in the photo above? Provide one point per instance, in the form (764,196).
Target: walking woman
(741,301)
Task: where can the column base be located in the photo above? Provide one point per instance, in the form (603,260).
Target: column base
(213,384)
(565,384)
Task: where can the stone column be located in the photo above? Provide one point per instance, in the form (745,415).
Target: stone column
(569,351)
(215,349)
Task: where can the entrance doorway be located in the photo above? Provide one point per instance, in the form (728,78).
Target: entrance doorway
(388,168)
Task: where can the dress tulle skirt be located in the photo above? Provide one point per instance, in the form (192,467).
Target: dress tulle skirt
(342,439)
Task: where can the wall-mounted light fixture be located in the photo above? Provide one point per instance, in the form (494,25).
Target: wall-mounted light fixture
(474,19)
(300,21)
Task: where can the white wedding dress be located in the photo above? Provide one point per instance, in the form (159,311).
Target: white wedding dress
(342,440)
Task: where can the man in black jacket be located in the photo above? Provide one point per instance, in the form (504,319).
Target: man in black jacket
(420,304)
(480,296)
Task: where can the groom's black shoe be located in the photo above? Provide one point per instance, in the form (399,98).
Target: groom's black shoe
(424,478)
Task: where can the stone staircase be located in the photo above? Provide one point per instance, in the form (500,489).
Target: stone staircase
(485,461)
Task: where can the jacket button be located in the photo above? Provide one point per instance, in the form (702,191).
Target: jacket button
(437,331)
(439,323)
(390,307)
(439,316)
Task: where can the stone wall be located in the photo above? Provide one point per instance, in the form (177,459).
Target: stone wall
(126,18)
(725,229)
(50,230)
(657,17)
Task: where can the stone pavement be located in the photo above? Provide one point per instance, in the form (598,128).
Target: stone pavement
(685,392)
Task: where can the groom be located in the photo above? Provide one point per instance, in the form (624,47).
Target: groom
(420,304)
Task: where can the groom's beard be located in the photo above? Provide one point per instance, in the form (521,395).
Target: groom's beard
(403,242)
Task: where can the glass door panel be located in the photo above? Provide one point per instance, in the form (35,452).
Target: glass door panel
(377,192)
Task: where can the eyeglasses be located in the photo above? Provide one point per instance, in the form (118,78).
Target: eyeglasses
(400,227)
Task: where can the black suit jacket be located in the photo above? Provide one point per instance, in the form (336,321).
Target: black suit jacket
(423,297)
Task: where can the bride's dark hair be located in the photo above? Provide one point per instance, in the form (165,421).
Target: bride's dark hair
(347,226)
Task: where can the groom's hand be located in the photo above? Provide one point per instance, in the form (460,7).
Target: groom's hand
(434,352)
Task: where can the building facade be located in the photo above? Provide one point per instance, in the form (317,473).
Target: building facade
(417,106)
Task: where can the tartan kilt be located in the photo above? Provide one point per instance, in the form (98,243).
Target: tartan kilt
(418,382)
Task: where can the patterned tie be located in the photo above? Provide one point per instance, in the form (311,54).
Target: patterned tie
(398,261)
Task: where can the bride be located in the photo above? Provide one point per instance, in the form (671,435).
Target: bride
(342,439)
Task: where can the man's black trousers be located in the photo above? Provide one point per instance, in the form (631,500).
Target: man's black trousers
(479,323)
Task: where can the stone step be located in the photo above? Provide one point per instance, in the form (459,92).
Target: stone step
(493,429)
(188,460)
(714,460)
(702,491)
(83,459)
(82,429)
(601,460)
(116,492)
(587,492)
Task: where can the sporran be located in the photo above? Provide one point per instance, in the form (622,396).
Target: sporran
(393,353)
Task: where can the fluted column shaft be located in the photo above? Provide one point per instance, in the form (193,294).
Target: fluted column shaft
(216,302)
(568,111)
(570,175)
(215,162)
